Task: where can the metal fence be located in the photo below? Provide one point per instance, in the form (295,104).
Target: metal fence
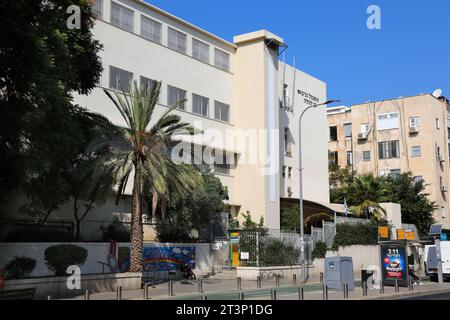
(272,248)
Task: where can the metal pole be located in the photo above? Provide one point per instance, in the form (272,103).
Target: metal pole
(49,297)
(300,293)
(200,286)
(294,279)
(119,293)
(86,295)
(257,249)
(381,287)
(146,291)
(397,289)
(241,296)
(277,280)
(300,183)
(258,281)
(325,292)
(439,261)
(321,277)
(273,294)
(238,283)
(170,289)
(204,298)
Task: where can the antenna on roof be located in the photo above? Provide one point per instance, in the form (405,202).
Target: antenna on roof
(437,93)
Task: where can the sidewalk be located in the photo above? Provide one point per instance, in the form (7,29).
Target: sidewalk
(215,289)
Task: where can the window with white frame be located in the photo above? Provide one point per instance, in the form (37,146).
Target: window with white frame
(221,111)
(200,50)
(365,128)
(414,122)
(120,79)
(387,121)
(221,59)
(366,155)
(177,40)
(200,104)
(289,172)
(122,17)
(148,83)
(349,158)
(175,95)
(416,151)
(151,29)
(438,123)
(97,9)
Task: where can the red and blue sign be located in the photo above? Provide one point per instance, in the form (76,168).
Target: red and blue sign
(168,258)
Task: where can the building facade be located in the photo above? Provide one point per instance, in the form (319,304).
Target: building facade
(246,101)
(408,134)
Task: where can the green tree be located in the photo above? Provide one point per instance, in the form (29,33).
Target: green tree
(364,195)
(290,218)
(141,153)
(42,63)
(415,206)
(192,210)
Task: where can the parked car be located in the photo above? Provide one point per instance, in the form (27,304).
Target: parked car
(430,261)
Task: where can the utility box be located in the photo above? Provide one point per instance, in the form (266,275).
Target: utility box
(339,271)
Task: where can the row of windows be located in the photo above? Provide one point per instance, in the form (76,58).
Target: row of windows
(121,80)
(123,18)
(289,170)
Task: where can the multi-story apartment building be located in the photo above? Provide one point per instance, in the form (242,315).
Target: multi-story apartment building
(238,90)
(407,134)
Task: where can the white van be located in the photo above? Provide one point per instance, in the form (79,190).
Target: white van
(430,261)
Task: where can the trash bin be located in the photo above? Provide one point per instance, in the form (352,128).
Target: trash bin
(339,271)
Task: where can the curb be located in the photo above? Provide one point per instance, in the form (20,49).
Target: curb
(405,295)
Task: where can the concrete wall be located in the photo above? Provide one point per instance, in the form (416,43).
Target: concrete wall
(363,257)
(96,252)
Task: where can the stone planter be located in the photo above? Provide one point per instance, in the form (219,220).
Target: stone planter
(57,286)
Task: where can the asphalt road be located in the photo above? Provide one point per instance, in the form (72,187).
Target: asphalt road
(439,296)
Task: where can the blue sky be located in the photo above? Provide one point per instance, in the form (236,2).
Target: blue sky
(330,40)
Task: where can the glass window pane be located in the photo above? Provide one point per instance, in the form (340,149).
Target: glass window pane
(120,79)
(177,40)
(200,105)
(221,111)
(200,50)
(151,29)
(97,8)
(122,17)
(222,60)
(175,95)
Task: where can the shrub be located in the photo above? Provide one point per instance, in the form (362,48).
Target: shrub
(278,252)
(320,250)
(117,231)
(355,234)
(20,267)
(59,257)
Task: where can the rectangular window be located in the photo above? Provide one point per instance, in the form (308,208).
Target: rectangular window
(388,149)
(200,105)
(366,155)
(290,172)
(386,121)
(97,9)
(151,29)
(148,84)
(438,123)
(284,172)
(416,151)
(333,157)
(177,40)
(174,96)
(348,130)
(418,179)
(120,79)
(349,158)
(222,163)
(122,17)
(414,122)
(221,60)
(365,128)
(221,111)
(200,51)
(333,133)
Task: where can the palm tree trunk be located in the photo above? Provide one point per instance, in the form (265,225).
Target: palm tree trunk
(154,204)
(137,232)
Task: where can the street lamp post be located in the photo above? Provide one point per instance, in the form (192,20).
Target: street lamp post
(300,183)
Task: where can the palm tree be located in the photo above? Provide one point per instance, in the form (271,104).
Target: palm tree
(365,194)
(139,150)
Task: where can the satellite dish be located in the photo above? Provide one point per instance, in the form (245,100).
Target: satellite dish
(437,93)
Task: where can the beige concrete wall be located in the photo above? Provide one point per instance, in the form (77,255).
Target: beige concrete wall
(428,108)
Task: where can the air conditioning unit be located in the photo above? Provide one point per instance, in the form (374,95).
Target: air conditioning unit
(440,158)
(363,135)
(413,129)
(444,188)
